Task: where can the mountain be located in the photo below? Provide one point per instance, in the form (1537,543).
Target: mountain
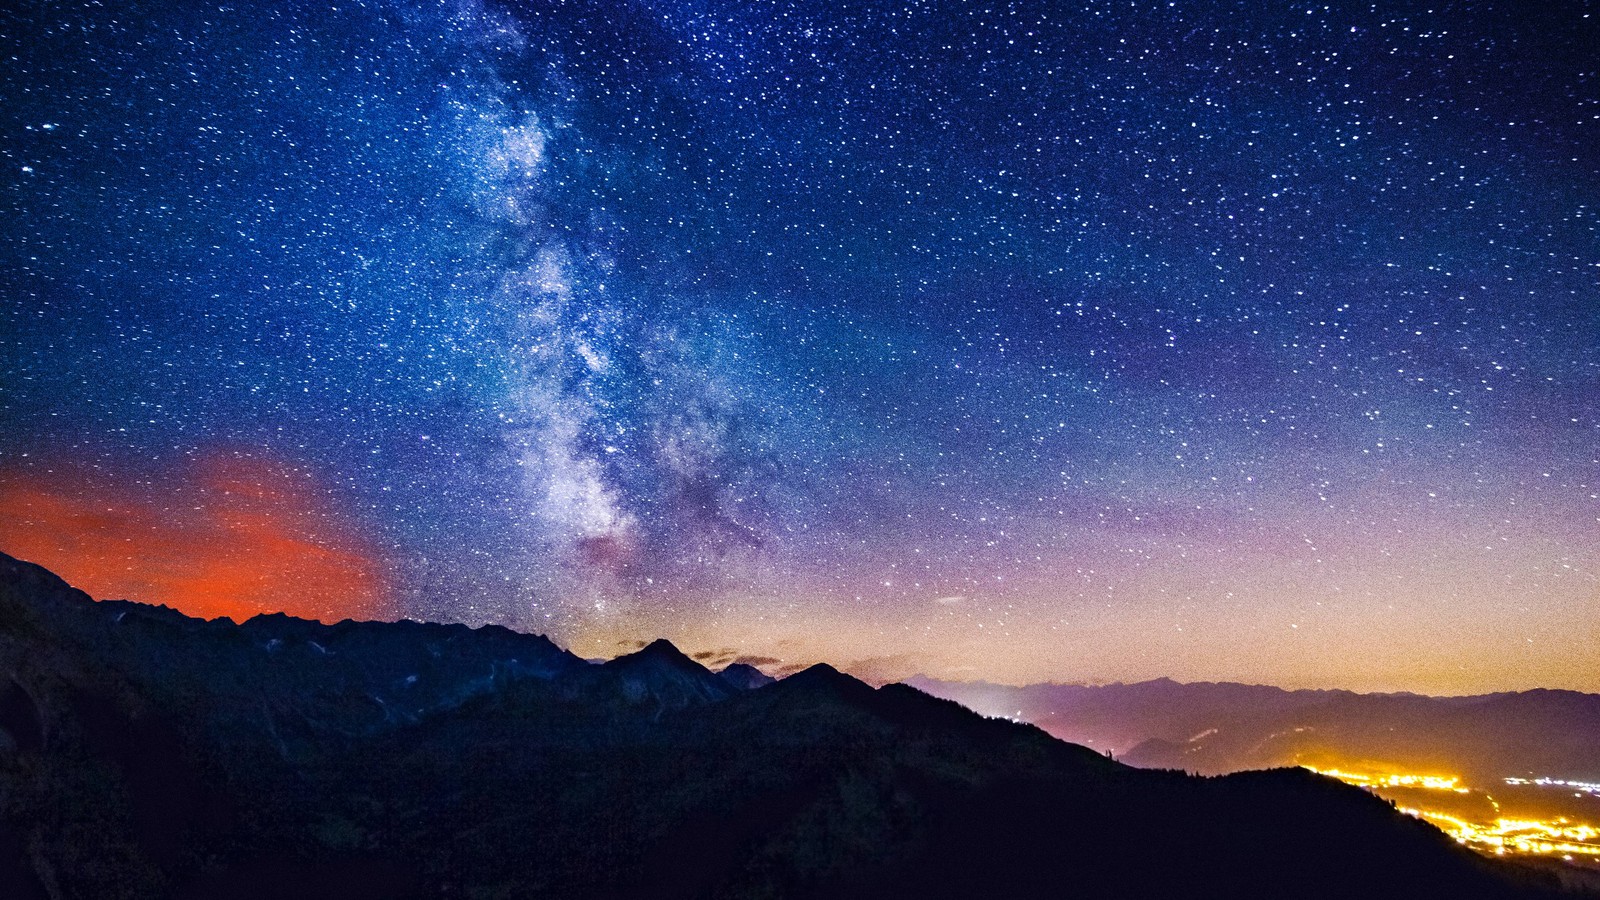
(745,676)
(662,675)
(147,754)
(1212,728)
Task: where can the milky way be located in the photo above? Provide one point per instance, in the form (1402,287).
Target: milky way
(1017,340)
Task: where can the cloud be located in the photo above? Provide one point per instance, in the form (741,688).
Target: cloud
(226,536)
(757,661)
(880,670)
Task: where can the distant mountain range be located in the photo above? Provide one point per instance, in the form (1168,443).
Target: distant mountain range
(147,754)
(1214,728)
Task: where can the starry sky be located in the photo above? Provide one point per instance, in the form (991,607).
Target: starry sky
(1010,340)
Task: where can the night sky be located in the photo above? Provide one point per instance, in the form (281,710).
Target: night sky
(1020,341)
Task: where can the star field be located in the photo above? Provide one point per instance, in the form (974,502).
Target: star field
(1024,341)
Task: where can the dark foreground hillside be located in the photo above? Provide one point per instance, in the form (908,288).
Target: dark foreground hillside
(146,754)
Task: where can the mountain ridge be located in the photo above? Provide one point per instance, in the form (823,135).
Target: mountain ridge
(1218,727)
(151,755)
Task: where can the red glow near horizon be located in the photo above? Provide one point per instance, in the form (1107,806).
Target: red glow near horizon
(228,536)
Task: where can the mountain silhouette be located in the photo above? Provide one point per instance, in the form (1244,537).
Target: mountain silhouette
(745,676)
(147,754)
(661,674)
(1215,728)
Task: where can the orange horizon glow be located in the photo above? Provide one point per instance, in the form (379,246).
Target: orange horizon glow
(228,536)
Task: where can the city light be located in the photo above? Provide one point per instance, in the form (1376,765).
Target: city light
(1558,836)
(1586,787)
(1430,782)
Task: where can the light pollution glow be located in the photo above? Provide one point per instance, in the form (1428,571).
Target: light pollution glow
(227,536)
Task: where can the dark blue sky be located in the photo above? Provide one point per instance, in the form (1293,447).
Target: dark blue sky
(1024,340)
